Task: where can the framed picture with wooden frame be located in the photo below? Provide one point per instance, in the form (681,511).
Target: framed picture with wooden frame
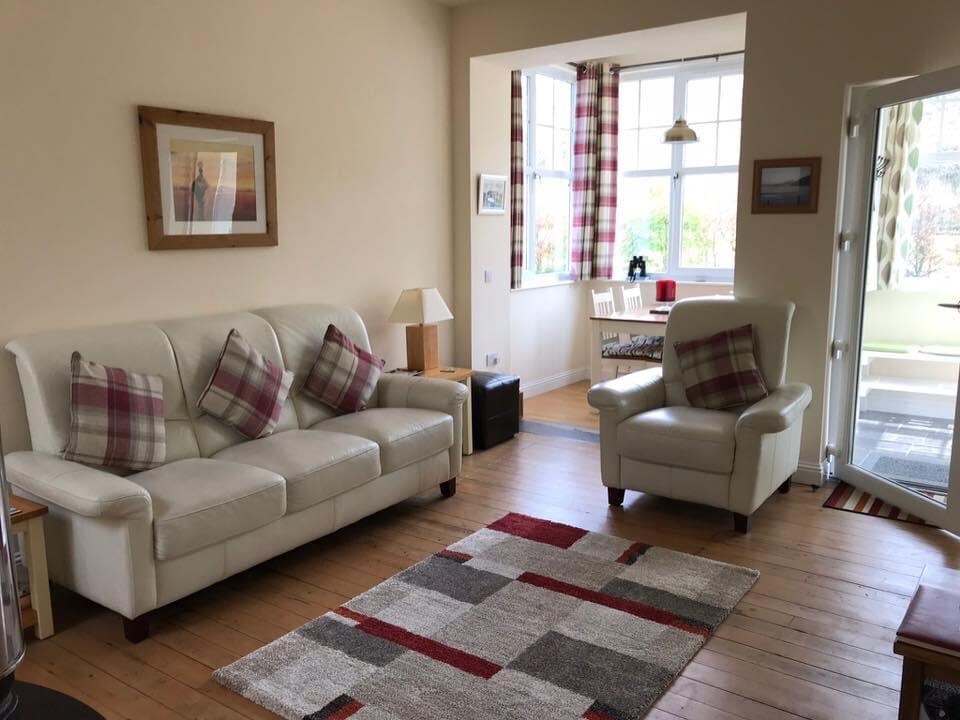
(787,185)
(209,181)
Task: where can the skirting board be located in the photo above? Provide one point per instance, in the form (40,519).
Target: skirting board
(553,382)
(809,473)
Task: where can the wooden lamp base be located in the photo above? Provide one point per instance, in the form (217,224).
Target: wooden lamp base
(422,347)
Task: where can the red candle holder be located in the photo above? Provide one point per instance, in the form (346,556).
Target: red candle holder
(666,290)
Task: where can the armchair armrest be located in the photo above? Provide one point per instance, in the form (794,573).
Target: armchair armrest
(78,488)
(630,394)
(425,393)
(778,411)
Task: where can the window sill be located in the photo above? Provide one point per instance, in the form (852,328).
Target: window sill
(538,283)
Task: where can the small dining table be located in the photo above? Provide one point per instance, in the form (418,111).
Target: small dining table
(637,322)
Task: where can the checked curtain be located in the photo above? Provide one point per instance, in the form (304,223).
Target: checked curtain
(595,171)
(516,179)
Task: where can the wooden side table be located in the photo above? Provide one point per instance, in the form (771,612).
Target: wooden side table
(460,375)
(28,519)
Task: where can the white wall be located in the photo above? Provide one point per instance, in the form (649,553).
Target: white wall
(359,93)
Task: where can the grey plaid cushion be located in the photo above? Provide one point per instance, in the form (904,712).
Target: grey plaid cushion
(246,390)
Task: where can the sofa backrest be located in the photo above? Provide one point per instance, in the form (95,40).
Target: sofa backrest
(701,317)
(300,330)
(197,343)
(43,363)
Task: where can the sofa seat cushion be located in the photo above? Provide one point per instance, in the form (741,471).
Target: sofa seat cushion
(405,435)
(317,465)
(200,502)
(684,437)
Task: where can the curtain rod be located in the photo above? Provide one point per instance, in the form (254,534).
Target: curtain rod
(714,56)
(676,61)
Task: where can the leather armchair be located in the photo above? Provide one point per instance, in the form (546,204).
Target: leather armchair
(652,440)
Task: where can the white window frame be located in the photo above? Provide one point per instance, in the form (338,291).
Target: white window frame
(683,74)
(531,173)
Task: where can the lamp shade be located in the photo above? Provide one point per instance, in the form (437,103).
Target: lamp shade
(680,133)
(419,306)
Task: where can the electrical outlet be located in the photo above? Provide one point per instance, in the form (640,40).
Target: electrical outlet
(493,359)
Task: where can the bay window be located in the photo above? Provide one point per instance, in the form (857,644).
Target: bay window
(677,204)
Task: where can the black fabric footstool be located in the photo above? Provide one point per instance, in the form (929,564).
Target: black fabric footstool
(496,408)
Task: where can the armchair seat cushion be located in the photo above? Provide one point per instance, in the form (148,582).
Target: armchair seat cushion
(317,465)
(405,435)
(680,436)
(199,502)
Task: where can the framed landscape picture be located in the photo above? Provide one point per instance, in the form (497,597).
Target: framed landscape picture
(209,181)
(492,197)
(789,185)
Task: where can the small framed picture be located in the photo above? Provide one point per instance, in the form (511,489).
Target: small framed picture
(209,181)
(492,197)
(789,185)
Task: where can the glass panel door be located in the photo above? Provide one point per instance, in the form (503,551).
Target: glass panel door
(900,400)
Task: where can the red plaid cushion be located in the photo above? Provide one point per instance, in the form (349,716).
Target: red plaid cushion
(720,372)
(246,390)
(116,417)
(344,376)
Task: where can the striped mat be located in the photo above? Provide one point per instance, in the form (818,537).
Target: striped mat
(847,497)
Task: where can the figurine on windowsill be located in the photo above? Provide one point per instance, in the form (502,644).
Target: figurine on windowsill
(638,269)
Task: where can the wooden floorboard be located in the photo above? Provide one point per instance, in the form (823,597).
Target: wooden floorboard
(813,639)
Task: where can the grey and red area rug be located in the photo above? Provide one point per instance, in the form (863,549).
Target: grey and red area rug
(523,619)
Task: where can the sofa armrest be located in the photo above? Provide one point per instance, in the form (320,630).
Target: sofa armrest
(778,411)
(75,487)
(424,393)
(630,394)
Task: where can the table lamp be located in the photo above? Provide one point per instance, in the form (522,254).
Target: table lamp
(420,309)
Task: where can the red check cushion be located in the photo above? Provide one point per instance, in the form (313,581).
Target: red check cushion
(720,372)
(246,390)
(116,417)
(344,376)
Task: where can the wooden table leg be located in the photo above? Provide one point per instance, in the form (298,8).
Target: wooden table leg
(596,353)
(39,580)
(911,689)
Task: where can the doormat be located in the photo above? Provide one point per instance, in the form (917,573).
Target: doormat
(847,497)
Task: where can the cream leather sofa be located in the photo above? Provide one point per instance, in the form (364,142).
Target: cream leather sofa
(221,503)
(652,440)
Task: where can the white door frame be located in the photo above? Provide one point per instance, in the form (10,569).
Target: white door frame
(849,283)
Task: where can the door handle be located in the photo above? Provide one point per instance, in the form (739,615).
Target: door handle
(951,306)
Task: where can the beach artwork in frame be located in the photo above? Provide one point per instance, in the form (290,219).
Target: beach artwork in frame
(208,180)
(789,185)
(492,196)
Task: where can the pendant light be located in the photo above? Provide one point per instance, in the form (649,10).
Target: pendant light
(680,133)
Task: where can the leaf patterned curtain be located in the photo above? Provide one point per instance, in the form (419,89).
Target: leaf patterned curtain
(896,170)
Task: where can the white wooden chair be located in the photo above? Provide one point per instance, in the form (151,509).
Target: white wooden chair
(616,353)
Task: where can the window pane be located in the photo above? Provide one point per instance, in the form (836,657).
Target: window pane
(561,155)
(704,152)
(544,100)
(728,143)
(627,148)
(654,153)
(950,136)
(731,96)
(708,233)
(929,138)
(656,102)
(562,104)
(629,104)
(544,147)
(701,103)
(643,212)
(552,247)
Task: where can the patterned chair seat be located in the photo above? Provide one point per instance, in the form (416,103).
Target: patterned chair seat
(639,347)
